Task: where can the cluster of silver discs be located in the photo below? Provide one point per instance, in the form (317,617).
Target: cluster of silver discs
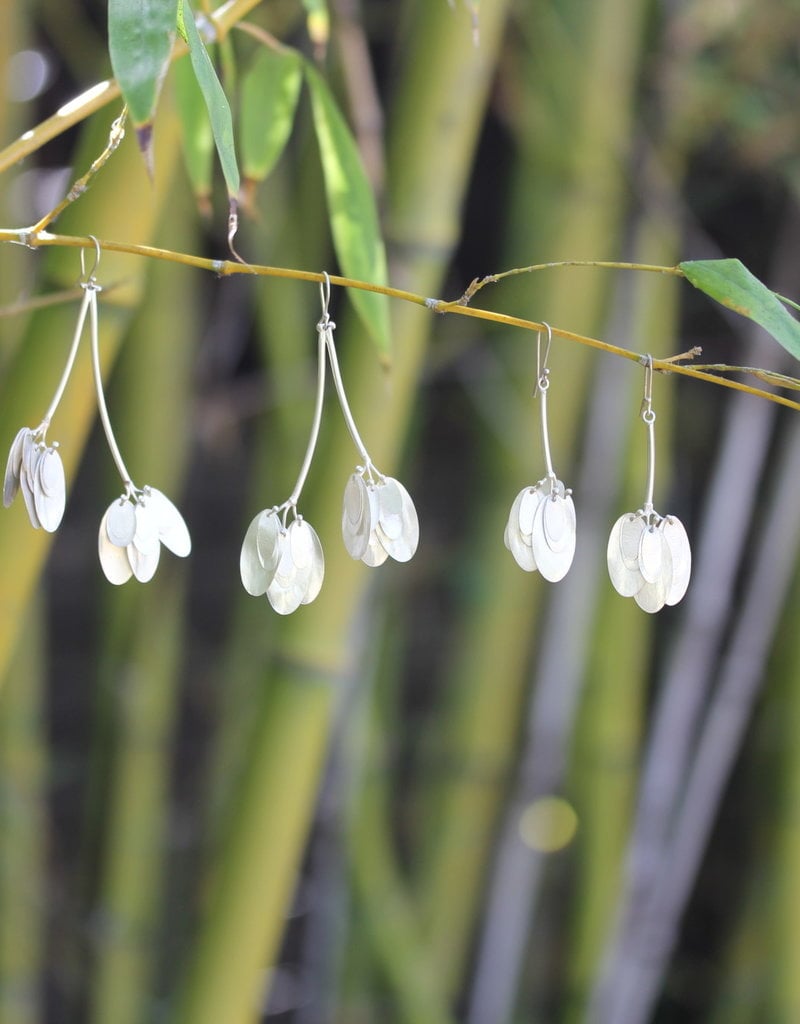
(35,468)
(284,562)
(649,558)
(132,531)
(541,529)
(134,526)
(379,520)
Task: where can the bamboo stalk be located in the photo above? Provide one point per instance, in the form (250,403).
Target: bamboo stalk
(589,188)
(262,850)
(23,828)
(143,654)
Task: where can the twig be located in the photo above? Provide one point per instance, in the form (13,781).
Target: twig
(225,268)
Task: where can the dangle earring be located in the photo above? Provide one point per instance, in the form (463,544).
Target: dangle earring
(379,520)
(541,527)
(136,524)
(283,559)
(33,466)
(649,557)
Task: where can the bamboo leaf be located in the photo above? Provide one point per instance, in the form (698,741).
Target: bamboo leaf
(219,110)
(730,283)
(351,206)
(270,91)
(140,37)
(196,134)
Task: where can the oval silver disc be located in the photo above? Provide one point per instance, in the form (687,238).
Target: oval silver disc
(145,537)
(268,529)
(113,560)
(172,529)
(528,503)
(624,580)
(553,565)
(681,553)
(390,501)
(13,466)
(317,573)
(301,543)
(650,554)
(255,579)
(630,535)
(555,522)
(121,523)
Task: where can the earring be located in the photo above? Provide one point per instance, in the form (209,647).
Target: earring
(649,556)
(541,527)
(379,520)
(136,524)
(283,559)
(33,466)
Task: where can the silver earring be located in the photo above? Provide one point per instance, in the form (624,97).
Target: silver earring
(541,527)
(649,556)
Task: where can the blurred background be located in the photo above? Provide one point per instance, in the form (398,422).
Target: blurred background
(446,791)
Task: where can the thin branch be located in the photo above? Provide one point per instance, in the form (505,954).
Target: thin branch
(481,282)
(102,93)
(225,268)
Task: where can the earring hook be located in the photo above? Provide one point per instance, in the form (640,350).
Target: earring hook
(647,398)
(325,295)
(89,278)
(542,371)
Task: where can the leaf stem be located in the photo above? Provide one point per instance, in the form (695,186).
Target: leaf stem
(225,268)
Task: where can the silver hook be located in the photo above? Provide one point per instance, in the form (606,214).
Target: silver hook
(542,371)
(647,399)
(325,296)
(89,278)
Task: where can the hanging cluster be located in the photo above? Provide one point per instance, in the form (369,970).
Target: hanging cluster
(284,560)
(649,556)
(136,524)
(379,520)
(35,468)
(649,559)
(541,529)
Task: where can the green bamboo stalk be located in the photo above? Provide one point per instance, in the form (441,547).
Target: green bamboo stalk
(393,926)
(567,198)
(263,847)
(609,730)
(23,827)
(144,647)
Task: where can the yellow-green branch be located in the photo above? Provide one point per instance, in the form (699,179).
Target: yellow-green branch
(226,268)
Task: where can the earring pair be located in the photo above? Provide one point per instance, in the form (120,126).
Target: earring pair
(648,555)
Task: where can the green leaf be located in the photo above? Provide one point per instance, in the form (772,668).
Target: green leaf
(351,207)
(196,134)
(270,91)
(140,38)
(216,102)
(732,285)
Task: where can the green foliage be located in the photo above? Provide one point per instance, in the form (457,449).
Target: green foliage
(140,38)
(272,83)
(732,285)
(351,207)
(196,134)
(219,110)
